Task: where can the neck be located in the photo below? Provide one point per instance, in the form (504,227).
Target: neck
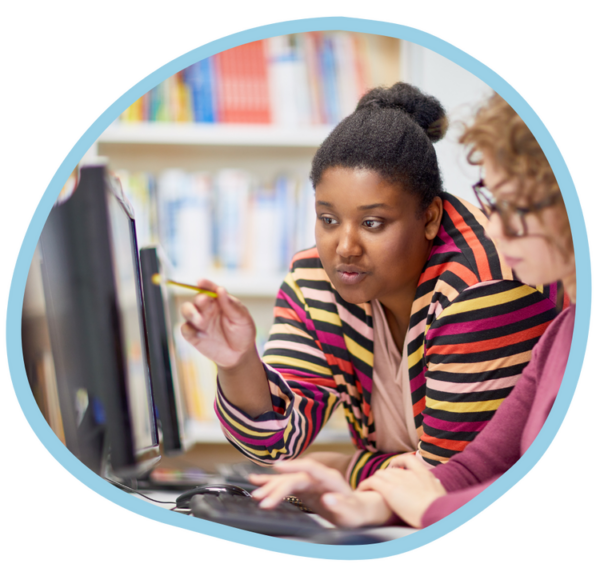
(570,285)
(397,312)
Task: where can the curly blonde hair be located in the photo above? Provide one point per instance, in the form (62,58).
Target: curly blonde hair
(500,133)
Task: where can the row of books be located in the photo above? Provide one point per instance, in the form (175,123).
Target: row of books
(228,220)
(313,78)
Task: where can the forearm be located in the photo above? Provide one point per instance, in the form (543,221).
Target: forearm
(245,385)
(279,421)
(445,505)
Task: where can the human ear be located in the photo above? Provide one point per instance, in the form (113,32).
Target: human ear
(433,218)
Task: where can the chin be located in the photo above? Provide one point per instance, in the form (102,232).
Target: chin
(533,279)
(352,296)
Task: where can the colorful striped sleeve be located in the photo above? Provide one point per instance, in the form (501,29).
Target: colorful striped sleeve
(365,463)
(303,389)
(475,351)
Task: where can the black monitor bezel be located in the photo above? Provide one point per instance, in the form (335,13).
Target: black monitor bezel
(79,283)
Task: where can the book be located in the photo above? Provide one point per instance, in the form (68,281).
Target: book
(313,78)
(242,84)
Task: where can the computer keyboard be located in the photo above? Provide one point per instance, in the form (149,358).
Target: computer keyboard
(244,513)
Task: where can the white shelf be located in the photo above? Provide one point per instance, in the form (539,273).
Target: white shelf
(211,433)
(215,134)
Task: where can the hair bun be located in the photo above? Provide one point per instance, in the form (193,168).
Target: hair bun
(425,110)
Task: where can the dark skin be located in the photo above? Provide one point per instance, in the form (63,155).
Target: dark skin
(373,241)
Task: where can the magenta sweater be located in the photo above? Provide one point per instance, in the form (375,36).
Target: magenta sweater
(514,426)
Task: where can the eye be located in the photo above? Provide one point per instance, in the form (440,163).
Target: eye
(328,220)
(372,224)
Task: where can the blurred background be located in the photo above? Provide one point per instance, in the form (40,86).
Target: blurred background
(215,161)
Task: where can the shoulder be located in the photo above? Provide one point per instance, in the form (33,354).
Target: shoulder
(306,271)
(499,293)
(462,247)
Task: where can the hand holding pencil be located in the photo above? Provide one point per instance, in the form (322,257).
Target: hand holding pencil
(218,325)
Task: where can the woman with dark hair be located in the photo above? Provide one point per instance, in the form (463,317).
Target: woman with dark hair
(403,314)
(529,223)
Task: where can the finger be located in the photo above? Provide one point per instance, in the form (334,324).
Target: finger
(413,464)
(330,478)
(189,312)
(201,313)
(207,284)
(189,332)
(273,492)
(231,306)
(399,461)
(197,316)
(260,479)
(203,302)
(378,482)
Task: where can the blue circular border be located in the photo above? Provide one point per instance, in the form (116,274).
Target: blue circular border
(412,541)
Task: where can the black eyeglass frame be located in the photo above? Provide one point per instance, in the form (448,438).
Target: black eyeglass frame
(505,209)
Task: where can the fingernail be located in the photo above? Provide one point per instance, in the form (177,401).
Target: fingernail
(257,493)
(266,503)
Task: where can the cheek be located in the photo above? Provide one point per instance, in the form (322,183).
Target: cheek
(541,262)
(326,247)
(399,254)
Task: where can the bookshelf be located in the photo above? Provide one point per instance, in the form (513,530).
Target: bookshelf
(179,134)
(284,146)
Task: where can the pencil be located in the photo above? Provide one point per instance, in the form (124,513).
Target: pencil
(156,279)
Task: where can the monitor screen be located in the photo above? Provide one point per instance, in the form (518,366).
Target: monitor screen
(94,310)
(129,299)
(158,304)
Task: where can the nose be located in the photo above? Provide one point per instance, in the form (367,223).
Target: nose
(348,245)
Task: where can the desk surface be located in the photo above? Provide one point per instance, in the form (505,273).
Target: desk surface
(166,500)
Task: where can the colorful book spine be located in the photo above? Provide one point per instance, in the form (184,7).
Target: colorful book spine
(311,78)
(232,195)
(242,85)
(199,78)
(230,219)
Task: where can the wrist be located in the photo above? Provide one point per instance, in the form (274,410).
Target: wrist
(245,384)
(378,511)
(241,364)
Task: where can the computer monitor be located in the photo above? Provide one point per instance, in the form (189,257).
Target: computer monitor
(163,368)
(94,308)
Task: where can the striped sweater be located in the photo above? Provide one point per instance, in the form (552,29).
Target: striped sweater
(471,332)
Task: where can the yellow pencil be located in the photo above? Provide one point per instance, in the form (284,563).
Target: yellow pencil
(156,279)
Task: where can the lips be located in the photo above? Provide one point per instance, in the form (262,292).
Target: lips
(512,262)
(350,275)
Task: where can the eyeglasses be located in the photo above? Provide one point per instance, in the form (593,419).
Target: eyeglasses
(512,217)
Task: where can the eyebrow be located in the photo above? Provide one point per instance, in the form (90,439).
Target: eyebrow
(366,207)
